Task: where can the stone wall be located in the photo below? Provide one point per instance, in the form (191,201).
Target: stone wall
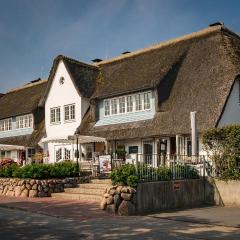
(120,200)
(36,188)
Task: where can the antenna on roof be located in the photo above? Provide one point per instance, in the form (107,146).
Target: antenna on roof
(216,24)
(96,60)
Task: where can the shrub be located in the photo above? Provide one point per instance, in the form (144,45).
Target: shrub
(6,162)
(41,171)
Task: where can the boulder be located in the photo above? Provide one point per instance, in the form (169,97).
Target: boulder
(126,208)
(34,187)
(17,191)
(103,204)
(28,186)
(125,190)
(24,193)
(117,201)
(110,208)
(33,193)
(109,200)
(126,196)
(32,182)
(106,195)
(112,191)
(118,189)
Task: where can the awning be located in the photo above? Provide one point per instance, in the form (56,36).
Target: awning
(86,139)
(4,147)
(73,138)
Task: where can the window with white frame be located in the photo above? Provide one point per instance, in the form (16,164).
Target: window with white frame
(147,98)
(129,103)
(59,154)
(25,121)
(138,99)
(106,108)
(122,105)
(55,115)
(67,154)
(114,104)
(6,125)
(69,112)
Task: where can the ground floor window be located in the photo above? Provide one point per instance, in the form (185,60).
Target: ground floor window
(62,153)
(132,149)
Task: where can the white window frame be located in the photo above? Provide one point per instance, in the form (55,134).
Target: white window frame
(24,121)
(6,125)
(55,112)
(69,112)
(131,103)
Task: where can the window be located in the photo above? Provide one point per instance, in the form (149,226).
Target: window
(6,125)
(147,100)
(69,112)
(59,154)
(67,154)
(106,108)
(25,121)
(133,149)
(122,105)
(114,106)
(55,115)
(138,99)
(129,104)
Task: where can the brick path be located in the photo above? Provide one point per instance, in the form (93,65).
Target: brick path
(57,208)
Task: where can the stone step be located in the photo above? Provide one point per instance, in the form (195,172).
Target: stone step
(102,181)
(96,191)
(77,196)
(93,186)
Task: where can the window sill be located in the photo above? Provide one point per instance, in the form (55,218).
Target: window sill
(70,121)
(56,123)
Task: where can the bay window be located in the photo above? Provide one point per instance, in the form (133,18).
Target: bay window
(25,121)
(6,125)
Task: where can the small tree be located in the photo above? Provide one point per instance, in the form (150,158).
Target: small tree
(223,145)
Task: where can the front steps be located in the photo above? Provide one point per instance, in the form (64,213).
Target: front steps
(85,192)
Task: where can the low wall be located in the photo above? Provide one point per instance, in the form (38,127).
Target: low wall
(36,188)
(155,196)
(223,193)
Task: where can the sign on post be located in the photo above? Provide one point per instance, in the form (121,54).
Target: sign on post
(105,164)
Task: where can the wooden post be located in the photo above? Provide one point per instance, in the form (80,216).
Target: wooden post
(194,133)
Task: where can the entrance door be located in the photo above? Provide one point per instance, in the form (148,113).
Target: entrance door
(148,152)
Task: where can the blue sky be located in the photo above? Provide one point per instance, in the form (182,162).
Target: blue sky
(33,32)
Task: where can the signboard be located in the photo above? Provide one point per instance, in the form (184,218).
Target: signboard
(176,186)
(105,163)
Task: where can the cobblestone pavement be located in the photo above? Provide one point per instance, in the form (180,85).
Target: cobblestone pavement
(46,219)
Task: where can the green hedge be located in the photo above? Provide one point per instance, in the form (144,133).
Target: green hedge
(41,171)
(128,175)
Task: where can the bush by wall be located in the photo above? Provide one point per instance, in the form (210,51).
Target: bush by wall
(223,144)
(41,171)
(129,175)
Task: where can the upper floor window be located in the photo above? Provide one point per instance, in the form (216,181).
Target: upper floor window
(122,105)
(69,112)
(130,103)
(114,109)
(25,121)
(106,108)
(6,125)
(55,115)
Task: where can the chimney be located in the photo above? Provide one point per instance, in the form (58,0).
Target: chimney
(216,24)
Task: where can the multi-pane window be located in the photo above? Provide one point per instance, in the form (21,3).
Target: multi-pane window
(113,106)
(129,104)
(67,154)
(122,105)
(25,121)
(6,125)
(59,154)
(147,104)
(106,108)
(69,112)
(55,115)
(138,98)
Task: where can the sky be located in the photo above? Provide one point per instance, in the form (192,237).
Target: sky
(34,32)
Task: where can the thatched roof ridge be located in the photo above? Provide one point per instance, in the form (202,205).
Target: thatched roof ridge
(82,74)
(22,100)
(189,74)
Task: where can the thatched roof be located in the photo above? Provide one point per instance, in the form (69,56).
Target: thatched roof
(1,94)
(24,100)
(191,73)
(83,76)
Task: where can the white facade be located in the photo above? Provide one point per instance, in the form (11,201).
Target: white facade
(62,93)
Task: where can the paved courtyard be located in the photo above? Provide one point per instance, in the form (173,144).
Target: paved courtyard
(51,219)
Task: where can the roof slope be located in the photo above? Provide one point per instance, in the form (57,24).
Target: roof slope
(191,73)
(82,74)
(22,100)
